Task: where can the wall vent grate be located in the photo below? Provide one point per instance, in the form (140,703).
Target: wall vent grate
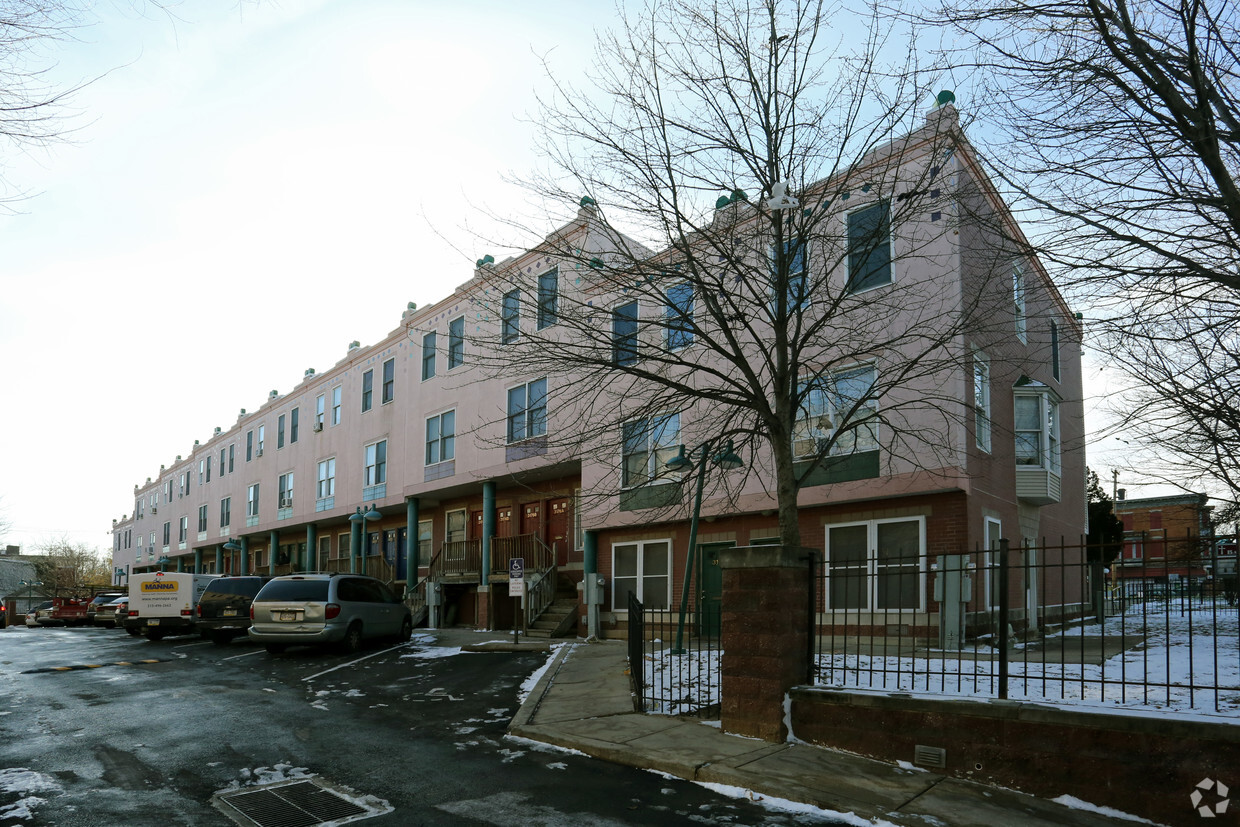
(924,756)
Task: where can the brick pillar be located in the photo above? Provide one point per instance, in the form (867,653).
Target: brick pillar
(764,636)
(484,608)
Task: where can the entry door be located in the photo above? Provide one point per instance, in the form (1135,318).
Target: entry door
(559,524)
(503,522)
(475,525)
(531,518)
(710,588)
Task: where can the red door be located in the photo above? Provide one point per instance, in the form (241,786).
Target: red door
(503,524)
(475,525)
(531,518)
(559,526)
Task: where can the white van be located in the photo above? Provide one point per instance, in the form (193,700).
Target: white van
(164,603)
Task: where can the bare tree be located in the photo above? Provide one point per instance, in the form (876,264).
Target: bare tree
(766,323)
(69,569)
(1116,129)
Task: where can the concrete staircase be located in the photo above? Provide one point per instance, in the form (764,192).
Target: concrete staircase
(557,620)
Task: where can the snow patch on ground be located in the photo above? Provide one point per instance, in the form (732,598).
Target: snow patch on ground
(1078,804)
(527,686)
(539,746)
(260,776)
(783,805)
(24,782)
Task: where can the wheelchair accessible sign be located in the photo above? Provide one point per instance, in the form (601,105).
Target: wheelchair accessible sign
(516,577)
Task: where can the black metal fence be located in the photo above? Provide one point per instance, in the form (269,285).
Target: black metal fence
(674,659)
(1156,627)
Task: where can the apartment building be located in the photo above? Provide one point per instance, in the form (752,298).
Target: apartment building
(436,456)
(1169,544)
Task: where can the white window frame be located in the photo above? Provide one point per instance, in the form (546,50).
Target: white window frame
(822,415)
(530,427)
(284,490)
(374,472)
(992,532)
(320,410)
(1048,440)
(660,440)
(891,257)
(441,441)
(872,566)
(640,576)
(337,400)
(326,478)
(251,500)
(981,402)
(679,321)
(1018,301)
(456,344)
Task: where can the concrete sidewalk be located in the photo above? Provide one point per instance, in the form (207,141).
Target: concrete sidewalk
(584,702)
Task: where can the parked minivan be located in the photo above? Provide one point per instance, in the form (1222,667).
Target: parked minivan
(309,609)
(224,608)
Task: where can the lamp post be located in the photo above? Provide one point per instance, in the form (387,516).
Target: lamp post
(359,519)
(30,584)
(232,546)
(725,459)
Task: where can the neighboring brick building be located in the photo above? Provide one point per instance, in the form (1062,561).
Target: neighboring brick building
(1163,542)
(464,468)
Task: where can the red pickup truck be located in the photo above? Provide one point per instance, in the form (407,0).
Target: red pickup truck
(64,611)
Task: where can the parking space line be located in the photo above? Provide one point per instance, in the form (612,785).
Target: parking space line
(245,654)
(359,660)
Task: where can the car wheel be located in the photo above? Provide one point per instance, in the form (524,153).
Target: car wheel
(154,634)
(352,642)
(406,630)
(275,648)
(132,632)
(218,638)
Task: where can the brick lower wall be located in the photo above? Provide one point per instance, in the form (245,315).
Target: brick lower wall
(1144,764)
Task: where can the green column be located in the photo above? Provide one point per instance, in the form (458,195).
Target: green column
(274,542)
(181,563)
(245,556)
(411,543)
(312,539)
(488,528)
(219,559)
(197,561)
(355,544)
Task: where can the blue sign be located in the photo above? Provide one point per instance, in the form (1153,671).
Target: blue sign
(516,568)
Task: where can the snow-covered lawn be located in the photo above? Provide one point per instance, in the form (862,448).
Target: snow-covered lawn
(1167,658)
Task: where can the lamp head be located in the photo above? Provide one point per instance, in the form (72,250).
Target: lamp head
(727,459)
(356,516)
(680,462)
(373,513)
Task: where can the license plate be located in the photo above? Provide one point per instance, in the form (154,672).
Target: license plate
(154,622)
(230,613)
(288,615)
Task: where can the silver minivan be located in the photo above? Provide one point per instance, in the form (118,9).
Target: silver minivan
(310,609)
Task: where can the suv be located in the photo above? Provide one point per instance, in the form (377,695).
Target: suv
(224,608)
(98,600)
(308,609)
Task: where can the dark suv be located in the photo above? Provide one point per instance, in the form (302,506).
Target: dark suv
(224,608)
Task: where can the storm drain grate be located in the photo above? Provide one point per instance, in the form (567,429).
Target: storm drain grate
(302,803)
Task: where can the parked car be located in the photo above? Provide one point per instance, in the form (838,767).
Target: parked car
(224,608)
(32,616)
(98,600)
(63,611)
(112,614)
(310,609)
(4,615)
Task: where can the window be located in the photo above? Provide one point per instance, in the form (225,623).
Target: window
(1055,351)
(1018,299)
(527,410)
(202,518)
(794,258)
(678,313)
(223,454)
(994,533)
(644,570)
(292,424)
(368,381)
(425,542)
(343,545)
(376,463)
(441,438)
(876,565)
(428,356)
(226,512)
(548,298)
(202,468)
(262,437)
(388,391)
(249,445)
(231,457)
(280,432)
(456,343)
(251,501)
(624,334)
(510,317)
(1037,431)
(286,490)
(168,489)
(183,530)
(454,528)
(981,402)
(648,445)
(838,414)
(320,412)
(183,481)
(336,394)
(208,469)
(327,478)
(167,533)
(869,247)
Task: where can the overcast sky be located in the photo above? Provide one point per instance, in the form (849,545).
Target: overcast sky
(246,189)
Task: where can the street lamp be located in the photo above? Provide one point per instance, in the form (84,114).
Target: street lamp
(30,584)
(727,460)
(163,562)
(359,519)
(232,546)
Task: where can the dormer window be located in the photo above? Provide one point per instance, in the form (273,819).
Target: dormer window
(1036,425)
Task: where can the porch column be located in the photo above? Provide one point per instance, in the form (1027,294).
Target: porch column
(765,637)
(488,528)
(355,543)
(590,564)
(312,553)
(197,561)
(245,555)
(411,543)
(219,559)
(273,542)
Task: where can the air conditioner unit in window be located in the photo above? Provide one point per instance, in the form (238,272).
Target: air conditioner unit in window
(286,503)
(259,452)
(154,510)
(318,426)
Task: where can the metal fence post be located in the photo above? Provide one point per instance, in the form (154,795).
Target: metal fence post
(811,638)
(1003,618)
